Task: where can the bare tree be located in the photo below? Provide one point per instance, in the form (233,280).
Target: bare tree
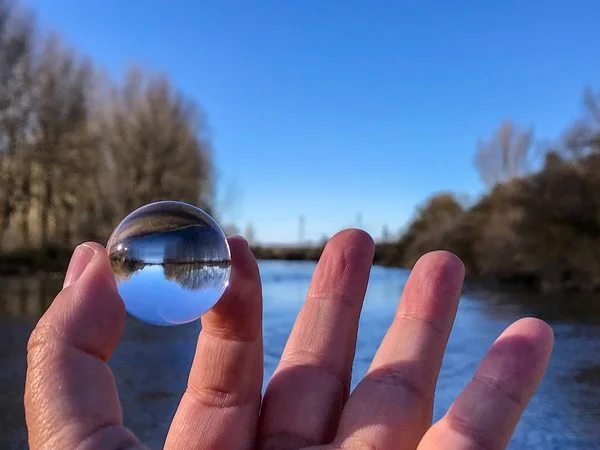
(583,137)
(73,157)
(156,146)
(385,234)
(250,233)
(434,221)
(16,92)
(65,153)
(230,229)
(226,200)
(505,156)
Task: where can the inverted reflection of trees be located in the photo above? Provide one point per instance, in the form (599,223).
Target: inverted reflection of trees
(189,244)
(194,243)
(193,276)
(124,268)
(189,275)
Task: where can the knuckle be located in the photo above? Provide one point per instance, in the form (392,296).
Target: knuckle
(216,397)
(498,389)
(466,428)
(398,379)
(429,324)
(40,337)
(42,343)
(335,298)
(321,366)
(227,332)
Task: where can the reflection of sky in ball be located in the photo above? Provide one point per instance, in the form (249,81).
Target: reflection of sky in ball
(171,261)
(151,297)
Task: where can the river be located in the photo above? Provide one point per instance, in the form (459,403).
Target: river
(151,364)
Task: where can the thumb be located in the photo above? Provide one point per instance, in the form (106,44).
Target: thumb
(71,399)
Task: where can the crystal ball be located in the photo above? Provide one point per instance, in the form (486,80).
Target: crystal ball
(171,262)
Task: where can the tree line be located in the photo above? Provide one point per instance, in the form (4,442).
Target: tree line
(78,151)
(537,225)
(539,222)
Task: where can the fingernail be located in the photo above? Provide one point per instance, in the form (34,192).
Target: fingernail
(79,261)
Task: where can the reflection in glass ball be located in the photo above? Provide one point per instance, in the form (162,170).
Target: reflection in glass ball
(171,262)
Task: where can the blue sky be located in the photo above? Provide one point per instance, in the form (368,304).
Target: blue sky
(336,108)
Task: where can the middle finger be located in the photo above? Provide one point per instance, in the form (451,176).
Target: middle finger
(309,388)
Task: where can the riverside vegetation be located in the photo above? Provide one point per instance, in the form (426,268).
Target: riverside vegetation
(78,151)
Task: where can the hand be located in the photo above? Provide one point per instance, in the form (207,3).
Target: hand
(71,400)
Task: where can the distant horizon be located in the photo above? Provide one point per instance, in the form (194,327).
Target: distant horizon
(332,112)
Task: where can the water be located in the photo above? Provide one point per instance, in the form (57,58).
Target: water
(171,262)
(151,363)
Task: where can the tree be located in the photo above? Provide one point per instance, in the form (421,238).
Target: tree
(385,234)
(66,162)
(230,229)
(434,223)
(156,143)
(250,234)
(16,98)
(583,137)
(559,231)
(74,158)
(505,156)
(226,200)
(496,250)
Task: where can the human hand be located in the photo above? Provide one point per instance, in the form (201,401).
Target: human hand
(71,399)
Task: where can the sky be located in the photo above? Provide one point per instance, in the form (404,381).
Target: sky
(349,113)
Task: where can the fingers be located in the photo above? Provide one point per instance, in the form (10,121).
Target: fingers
(71,400)
(220,406)
(305,397)
(487,411)
(392,406)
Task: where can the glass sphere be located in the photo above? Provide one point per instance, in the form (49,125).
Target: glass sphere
(171,262)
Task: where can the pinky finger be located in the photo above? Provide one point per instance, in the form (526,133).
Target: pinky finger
(486,413)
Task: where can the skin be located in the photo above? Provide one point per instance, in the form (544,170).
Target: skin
(71,399)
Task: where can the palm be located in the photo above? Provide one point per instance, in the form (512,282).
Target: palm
(71,399)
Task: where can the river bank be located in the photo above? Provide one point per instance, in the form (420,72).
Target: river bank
(28,262)
(33,261)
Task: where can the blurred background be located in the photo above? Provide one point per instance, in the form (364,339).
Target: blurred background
(472,127)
